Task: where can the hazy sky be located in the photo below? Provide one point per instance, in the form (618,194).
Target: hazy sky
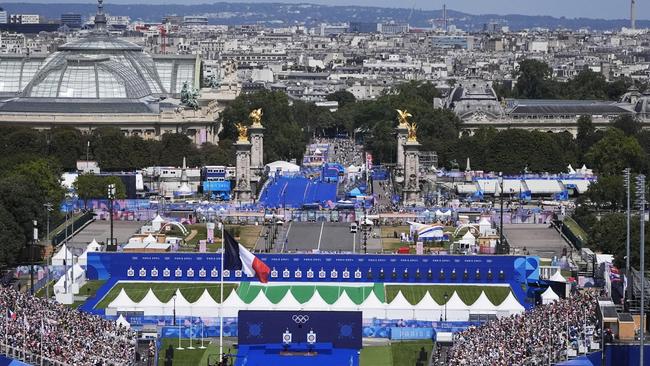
(608,9)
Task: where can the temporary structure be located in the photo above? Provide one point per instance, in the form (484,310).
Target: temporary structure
(122,302)
(457,310)
(288,302)
(205,305)
(482,305)
(427,308)
(63,254)
(260,302)
(183,307)
(316,303)
(231,305)
(549,296)
(399,308)
(372,307)
(121,321)
(344,303)
(151,305)
(510,306)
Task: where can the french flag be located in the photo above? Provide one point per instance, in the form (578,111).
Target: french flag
(237,257)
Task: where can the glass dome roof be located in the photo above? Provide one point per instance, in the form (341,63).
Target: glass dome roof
(98,66)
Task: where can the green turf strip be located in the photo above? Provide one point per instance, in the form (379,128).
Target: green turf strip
(469,294)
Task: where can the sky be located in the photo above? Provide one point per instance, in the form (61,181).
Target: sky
(607,9)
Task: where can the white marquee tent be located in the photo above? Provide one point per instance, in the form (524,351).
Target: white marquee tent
(400,308)
(457,310)
(372,307)
(316,303)
(510,306)
(482,305)
(205,305)
(232,304)
(261,302)
(549,296)
(61,255)
(344,303)
(288,302)
(427,308)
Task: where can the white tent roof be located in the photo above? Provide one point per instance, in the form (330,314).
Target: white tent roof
(261,302)
(549,296)
(455,303)
(158,218)
(469,236)
(372,307)
(316,302)
(62,254)
(150,299)
(482,305)
(149,239)
(205,301)
(557,277)
(122,321)
(285,166)
(344,303)
(78,272)
(122,301)
(427,302)
(399,302)
(232,304)
(93,246)
(288,302)
(511,305)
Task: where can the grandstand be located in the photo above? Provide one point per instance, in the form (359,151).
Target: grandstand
(295,192)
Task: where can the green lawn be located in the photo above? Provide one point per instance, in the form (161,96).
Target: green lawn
(407,353)
(187,357)
(90,288)
(43,291)
(165,291)
(576,229)
(468,294)
(376,356)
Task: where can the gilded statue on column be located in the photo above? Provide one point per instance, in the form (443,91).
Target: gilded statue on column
(256,117)
(243,132)
(412,132)
(403,117)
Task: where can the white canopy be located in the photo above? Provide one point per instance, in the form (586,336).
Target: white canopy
(288,302)
(549,296)
(157,222)
(427,308)
(399,308)
(282,166)
(205,305)
(372,307)
(232,304)
(122,322)
(482,305)
(151,305)
(158,219)
(557,277)
(149,239)
(457,310)
(183,307)
(344,303)
(61,255)
(510,306)
(93,246)
(122,302)
(316,303)
(261,302)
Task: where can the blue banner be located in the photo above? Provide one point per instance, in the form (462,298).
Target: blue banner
(311,268)
(400,334)
(214,186)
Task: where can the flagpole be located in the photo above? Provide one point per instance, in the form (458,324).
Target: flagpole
(42,330)
(223,229)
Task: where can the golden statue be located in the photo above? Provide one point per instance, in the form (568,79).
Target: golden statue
(256,117)
(403,118)
(243,132)
(413,129)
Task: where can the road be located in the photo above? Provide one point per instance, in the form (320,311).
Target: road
(328,237)
(538,239)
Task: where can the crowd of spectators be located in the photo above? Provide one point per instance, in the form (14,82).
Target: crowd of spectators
(59,333)
(538,337)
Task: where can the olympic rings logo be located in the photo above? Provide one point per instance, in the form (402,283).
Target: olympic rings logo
(300,319)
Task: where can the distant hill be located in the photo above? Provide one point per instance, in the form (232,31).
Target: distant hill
(276,14)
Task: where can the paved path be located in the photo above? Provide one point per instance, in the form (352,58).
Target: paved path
(538,239)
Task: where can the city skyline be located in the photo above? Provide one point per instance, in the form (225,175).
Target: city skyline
(597,9)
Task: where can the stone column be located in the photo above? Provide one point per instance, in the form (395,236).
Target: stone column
(257,150)
(243,171)
(402,133)
(412,174)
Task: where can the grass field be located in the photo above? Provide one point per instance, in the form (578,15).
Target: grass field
(248,235)
(576,229)
(187,357)
(165,290)
(376,356)
(406,353)
(468,294)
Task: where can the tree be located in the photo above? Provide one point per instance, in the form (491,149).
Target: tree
(533,80)
(89,186)
(12,238)
(66,144)
(586,135)
(608,192)
(628,124)
(343,97)
(614,152)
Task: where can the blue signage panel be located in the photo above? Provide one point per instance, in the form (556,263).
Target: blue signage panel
(341,328)
(318,268)
(216,186)
(401,333)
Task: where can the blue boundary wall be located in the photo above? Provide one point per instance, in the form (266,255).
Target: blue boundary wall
(615,355)
(4,361)
(315,268)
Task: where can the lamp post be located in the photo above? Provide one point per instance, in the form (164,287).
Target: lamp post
(48,208)
(446,297)
(627,174)
(640,191)
(31,257)
(174,310)
(500,246)
(364,228)
(111,197)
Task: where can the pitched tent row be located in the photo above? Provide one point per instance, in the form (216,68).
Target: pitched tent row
(400,308)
